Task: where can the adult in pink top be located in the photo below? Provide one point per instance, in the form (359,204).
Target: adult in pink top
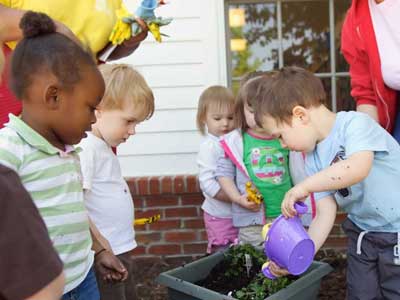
(363,51)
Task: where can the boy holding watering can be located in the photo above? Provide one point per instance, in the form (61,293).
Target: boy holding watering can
(350,161)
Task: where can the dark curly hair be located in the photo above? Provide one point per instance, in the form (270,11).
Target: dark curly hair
(43,49)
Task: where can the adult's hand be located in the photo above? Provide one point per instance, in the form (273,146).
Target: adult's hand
(129,46)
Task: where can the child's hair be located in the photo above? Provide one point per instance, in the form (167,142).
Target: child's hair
(287,88)
(249,88)
(216,98)
(124,85)
(43,50)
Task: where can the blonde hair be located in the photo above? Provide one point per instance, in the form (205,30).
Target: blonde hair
(124,85)
(215,97)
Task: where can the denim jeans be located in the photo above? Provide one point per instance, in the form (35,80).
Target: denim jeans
(87,290)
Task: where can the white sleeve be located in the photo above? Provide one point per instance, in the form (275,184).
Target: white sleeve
(87,159)
(207,163)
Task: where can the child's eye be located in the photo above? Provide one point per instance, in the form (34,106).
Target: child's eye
(217,119)
(230,118)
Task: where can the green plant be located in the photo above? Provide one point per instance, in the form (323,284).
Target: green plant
(261,287)
(236,257)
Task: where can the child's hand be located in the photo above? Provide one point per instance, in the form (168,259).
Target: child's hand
(244,202)
(296,193)
(110,267)
(276,270)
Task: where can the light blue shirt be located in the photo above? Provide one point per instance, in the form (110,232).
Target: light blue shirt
(374,203)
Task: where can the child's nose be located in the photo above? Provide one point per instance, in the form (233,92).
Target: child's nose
(132,130)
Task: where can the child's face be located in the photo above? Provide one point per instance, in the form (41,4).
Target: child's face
(297,136)
(117,125)
(77,105)
(219,122)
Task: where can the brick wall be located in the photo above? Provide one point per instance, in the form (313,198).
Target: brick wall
(180,231)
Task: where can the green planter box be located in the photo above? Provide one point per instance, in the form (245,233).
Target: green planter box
(180,282)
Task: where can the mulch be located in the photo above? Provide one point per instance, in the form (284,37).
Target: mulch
(333,286)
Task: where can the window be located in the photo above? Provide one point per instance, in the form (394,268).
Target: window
(269,34)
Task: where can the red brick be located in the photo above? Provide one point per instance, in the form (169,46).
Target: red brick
(162,201)
(155,185)
(148,237)
(132,185)
(165,224)
(179,184)
(203,235)
(179,237)
(181,212)
(192,199)
(166,185)
(148,213)
(192,184)
(138,202)
(335,242)
(170,249)
(340,217)
(140,227)
(140,250)
(194,223)
(198,248)
(143,186)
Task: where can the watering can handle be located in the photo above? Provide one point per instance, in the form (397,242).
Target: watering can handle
(301,208)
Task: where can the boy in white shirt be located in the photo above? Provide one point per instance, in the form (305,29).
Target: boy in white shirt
(127,101)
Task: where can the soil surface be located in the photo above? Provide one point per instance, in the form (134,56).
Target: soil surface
(333,286)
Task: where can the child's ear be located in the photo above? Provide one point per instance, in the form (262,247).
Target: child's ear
(51,97)
(97,113)
(300,113)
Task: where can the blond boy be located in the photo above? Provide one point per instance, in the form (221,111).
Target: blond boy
(127,101)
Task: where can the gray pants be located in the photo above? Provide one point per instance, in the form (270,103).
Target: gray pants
(125,290)
(373,273)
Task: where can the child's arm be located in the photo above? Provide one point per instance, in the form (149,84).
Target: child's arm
(319,229)
(96,235)
(206,162)
(339,175)
(229,186)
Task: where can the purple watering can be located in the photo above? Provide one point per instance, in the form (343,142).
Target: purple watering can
(287,244)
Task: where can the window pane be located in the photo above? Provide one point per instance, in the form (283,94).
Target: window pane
(305,32)
(253,37)
(344,99)
(341,7)
(326,82)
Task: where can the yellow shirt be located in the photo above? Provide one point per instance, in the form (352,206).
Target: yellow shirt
(90,20)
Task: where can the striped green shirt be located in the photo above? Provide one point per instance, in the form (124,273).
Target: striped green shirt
(53,179)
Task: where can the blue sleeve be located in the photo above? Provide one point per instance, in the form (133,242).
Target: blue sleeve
(361,133)
(312,168)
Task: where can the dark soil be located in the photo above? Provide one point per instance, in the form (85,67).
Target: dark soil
(333,286)
(217,281)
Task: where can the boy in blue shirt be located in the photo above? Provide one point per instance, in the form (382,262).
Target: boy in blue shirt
(351,161)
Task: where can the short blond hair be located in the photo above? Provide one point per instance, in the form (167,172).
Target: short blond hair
(216,97)
(126,86)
